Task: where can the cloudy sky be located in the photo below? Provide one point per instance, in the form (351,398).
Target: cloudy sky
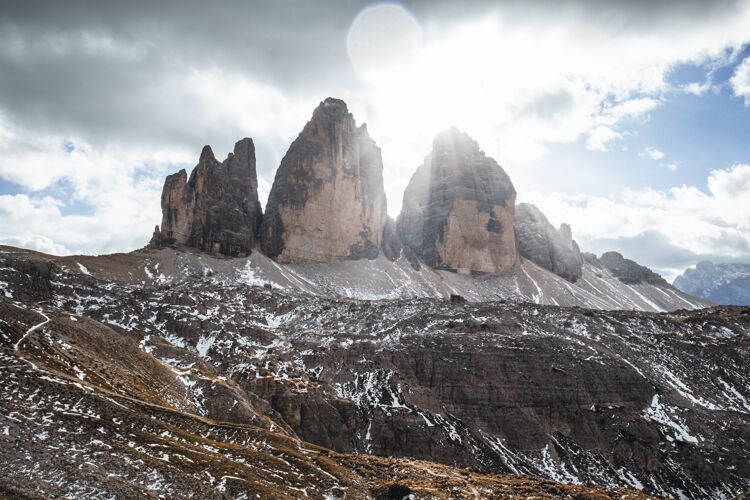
(630,120)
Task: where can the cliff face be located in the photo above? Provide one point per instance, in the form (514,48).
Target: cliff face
(217,209)
(327,201)
(458,209)
(550,248)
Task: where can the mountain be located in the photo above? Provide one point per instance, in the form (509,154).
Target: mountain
(217,210)
(468,349)
(718,283)
(327,230)
(553,249)
(327,201)
(175,372)
(458,210)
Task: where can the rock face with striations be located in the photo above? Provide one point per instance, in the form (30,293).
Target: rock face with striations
(458,209)
(550,248)
(626,270)
(217,209)
(327,202)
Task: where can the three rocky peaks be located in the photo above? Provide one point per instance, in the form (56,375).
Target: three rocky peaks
(328,204)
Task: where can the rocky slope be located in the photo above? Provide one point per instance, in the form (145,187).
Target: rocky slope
(550,248)
(217,209)
(458,210)
(327,202)
(150,368)
(91,407)
(719,283)
(70,427)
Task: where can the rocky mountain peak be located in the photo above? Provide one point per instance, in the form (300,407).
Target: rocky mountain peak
(458,209)
(207,155)
(327,201)
(550,248)
(453,141)
(216,210)
(566,233)
(626,270)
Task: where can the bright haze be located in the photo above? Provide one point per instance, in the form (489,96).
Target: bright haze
(629,120)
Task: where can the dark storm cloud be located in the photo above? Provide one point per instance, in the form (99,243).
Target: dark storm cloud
(49,79)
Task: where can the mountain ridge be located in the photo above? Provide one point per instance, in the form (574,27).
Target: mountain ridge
(327,205)
(720,283)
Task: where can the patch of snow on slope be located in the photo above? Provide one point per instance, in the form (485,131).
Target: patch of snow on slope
(684,390)
(248,276)
(554,469)
(204,344)
(662,414)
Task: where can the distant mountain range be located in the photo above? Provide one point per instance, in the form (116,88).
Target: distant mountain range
(719,283)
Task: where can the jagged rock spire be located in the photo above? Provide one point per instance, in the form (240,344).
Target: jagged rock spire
(458,209)
(217,209)
(327,201)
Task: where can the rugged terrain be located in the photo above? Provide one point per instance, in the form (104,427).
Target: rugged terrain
(167,372)
(322,349)
(719,283)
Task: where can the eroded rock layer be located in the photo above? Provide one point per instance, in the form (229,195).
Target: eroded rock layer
(550,248)
(458,209)
(327,201)
(217,209)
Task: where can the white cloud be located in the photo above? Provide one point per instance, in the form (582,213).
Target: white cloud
(671,166)
(600,137)
(652,152)
(715,222)
(519,81)
(117,187)
(740,81)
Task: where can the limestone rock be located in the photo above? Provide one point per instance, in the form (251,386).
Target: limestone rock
(217,209)
(327,201)
(550,248)
(458,209)
(626,270)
